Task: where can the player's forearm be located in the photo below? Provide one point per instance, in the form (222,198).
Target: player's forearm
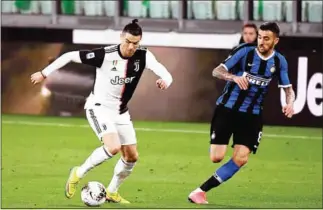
(290,95)
(221,72)
(62,61)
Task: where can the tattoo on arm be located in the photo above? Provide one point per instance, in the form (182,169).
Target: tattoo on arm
(221,73)
(290,95)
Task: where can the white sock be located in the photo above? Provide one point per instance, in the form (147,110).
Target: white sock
(121,171)
(198,190)
(98,156)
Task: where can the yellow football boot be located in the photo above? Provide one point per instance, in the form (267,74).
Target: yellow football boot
(116,198)
(71,183)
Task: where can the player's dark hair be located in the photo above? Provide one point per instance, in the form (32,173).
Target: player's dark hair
(133,28)
(250,25)
(270,26)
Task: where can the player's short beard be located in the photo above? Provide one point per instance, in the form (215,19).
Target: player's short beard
(265,52)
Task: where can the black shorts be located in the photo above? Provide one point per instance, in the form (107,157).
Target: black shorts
(246,128)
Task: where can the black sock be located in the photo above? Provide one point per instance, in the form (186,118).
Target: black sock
(209,184)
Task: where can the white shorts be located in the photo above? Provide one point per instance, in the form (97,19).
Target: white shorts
(104,120)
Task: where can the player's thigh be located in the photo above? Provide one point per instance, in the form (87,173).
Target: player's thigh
(127,136)
(248,135)
(125,129)
(104,127)
(217,152)
(221,126)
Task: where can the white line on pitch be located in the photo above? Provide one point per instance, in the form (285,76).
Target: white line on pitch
(150,129)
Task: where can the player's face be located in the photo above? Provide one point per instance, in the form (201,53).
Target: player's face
(266,41)
(249,35)
(129,44)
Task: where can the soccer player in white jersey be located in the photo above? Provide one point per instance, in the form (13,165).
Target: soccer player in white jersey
(118,70)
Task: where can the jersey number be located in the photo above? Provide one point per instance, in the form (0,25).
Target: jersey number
(259,138)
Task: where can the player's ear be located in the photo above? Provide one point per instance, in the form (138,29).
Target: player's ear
(276,40)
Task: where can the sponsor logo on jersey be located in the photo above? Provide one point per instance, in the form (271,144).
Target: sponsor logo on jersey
(255,80)
(121,80)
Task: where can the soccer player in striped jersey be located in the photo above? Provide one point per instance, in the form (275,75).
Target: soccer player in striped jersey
(118,71)
(239,108)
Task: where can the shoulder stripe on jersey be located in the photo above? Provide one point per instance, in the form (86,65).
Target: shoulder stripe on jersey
(142,48)
(244,93)
(111,50)
(235,50)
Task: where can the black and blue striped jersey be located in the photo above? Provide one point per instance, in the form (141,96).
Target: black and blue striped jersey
(246,61)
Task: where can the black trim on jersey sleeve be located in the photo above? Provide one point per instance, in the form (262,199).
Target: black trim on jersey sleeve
(237,54)
(93,57)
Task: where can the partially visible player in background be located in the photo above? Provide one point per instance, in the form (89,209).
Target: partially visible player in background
(239,108)
(118,71)
(249,33)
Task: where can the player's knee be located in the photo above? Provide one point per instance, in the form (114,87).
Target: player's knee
(240,160)
(216,158)
(113,149)
(131,158)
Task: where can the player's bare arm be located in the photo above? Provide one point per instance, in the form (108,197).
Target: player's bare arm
(288,109)
(221,72)
(64,59)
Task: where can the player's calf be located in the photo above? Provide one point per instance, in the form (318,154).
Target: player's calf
(123,168)
(224,173)
(110,147)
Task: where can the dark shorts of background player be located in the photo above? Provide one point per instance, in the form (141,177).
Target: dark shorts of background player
(246,128)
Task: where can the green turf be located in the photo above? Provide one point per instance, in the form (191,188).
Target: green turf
(285,173)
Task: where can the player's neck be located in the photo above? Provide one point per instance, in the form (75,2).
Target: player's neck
(266,55)
(121,53)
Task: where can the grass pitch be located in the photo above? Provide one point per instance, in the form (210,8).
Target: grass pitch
(37,153)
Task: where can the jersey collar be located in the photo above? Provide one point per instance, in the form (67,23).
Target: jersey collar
(262,57)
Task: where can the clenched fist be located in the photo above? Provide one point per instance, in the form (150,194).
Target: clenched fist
(37,77)
(161,84)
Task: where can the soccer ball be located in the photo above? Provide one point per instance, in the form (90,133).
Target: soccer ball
(93,194)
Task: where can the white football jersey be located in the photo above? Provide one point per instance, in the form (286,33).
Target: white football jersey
(117,77)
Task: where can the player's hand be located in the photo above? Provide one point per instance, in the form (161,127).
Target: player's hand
(288,110)
(37,77)
(242,82)
(161,84)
